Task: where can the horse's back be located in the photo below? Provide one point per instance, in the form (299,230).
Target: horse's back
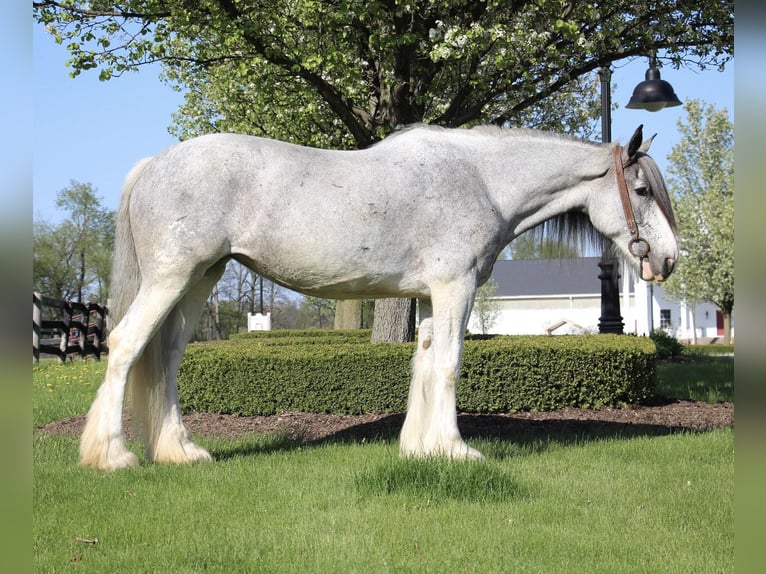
(315,220)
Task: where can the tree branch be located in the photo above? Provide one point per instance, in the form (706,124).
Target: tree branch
(89,13)
(346,110)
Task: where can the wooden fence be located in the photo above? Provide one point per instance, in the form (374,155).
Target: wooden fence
(78,329)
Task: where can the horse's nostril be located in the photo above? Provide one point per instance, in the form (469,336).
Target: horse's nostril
(670,263)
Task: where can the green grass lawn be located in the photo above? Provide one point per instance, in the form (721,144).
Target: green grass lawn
(705,378)
(616,504)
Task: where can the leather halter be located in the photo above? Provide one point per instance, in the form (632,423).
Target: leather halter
(638,246)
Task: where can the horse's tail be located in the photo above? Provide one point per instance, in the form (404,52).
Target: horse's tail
(126,274)
(147,375)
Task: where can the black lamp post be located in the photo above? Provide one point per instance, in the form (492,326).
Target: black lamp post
(653,94)
(610,320)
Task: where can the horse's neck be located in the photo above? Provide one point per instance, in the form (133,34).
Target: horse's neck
(533,179)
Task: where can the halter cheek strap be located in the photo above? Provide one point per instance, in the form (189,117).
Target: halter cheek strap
(638,246)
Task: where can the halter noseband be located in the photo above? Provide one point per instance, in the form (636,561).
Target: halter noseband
(638,246)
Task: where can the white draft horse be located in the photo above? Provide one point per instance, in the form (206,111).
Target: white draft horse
(423,214)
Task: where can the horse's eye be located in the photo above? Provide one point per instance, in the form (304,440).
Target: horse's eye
(642,191)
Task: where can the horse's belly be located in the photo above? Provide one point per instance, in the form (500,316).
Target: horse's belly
(339,277)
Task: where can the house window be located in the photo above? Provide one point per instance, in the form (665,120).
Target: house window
(665,322)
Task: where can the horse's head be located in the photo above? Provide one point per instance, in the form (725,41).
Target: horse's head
(639,219)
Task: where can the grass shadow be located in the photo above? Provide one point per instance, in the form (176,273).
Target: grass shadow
(533,435)
(504,435)
(254,444)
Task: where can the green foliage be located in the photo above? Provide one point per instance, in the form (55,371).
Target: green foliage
(322,310)
(257,374)
(344,74)
(72,260)
(533,245)
(508,374)
(236,377)
(485,308)
(667,345)
(304,337)
(701,177)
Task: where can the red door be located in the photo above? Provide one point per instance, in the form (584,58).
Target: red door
(719,323)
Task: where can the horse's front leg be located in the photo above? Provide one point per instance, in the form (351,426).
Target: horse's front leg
(418,417)
(431,424)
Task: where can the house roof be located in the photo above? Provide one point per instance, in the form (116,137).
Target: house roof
(551,277)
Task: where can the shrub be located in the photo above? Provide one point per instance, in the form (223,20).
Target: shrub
(264,375)
(545,373)
(305,336)
(667,345)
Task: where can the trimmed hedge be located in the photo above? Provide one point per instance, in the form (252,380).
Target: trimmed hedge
(262,374)
(304,337)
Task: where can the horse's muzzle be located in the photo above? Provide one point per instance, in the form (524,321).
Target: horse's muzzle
(648,274)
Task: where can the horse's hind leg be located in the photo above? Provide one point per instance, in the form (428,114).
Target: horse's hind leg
(102,444)
(155,398)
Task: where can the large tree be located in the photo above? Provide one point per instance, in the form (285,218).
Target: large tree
(71,260)
(344,73)
(701,178)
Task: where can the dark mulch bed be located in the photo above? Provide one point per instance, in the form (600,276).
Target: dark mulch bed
(659,418)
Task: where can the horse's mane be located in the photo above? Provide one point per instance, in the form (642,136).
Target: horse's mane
(574,228)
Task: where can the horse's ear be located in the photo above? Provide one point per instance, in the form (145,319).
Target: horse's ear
(645,146)
(635,142)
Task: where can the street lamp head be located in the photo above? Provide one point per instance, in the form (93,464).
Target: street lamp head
(653,94)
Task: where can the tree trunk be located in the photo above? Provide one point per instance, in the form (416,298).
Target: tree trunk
(81,279)
(394,321)
(727,328)
(348,314)
(694,323)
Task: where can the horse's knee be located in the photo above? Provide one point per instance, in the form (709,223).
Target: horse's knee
(425,334)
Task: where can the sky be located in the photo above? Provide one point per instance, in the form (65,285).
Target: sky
(94,132)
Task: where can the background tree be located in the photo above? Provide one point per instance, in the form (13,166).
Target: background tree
(72,260)
(321,311)
(486,310)
(239,293)
(50,248)
(701,178)
(344,73)
(529,246)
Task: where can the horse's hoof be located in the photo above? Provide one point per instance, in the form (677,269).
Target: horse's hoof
(114,457)
(183,452)
(456,451)
(196,453)
(469,453)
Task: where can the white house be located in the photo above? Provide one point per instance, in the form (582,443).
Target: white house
(563,296)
